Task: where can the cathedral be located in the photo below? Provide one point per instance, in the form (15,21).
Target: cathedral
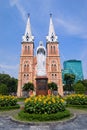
(28,61)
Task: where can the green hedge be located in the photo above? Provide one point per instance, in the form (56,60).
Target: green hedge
(77,106)
(43,117)
(10,107)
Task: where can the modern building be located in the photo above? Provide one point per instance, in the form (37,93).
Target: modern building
(73,67)
(28,61)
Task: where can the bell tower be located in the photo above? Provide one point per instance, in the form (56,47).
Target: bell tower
(53,58)
(26,58)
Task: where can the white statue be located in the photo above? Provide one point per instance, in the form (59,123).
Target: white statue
(41,60)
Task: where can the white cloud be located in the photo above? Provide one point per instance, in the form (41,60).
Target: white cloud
(11,67)
(12,70)
(72,27)
(19,7)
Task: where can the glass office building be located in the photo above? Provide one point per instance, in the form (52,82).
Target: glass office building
(73,67)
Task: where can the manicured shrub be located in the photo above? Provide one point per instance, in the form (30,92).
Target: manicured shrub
(9,107)
(52,86)
(43,117)
(44,104)
(6,101)
(76,99)
(28,86)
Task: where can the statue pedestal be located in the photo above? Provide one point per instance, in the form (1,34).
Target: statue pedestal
(41,85)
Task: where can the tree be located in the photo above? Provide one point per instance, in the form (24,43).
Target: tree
(10,82)
(4,78)
(52,86)
(28,86)
(3,89)
(69,80)
(12,85)
(79,88)
(84,82)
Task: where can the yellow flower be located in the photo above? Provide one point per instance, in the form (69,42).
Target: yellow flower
(44,102)
(49,102)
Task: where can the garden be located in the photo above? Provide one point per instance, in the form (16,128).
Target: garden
(44,108)
(8,102)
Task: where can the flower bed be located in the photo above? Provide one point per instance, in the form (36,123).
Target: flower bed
(7,101)
(44,104)
(76,99)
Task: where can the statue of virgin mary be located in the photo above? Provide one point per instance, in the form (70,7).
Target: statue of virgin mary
(41,60)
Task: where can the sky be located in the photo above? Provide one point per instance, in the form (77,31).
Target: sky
(70,23)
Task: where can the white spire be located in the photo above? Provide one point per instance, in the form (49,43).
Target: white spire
(51,35)
(28,35)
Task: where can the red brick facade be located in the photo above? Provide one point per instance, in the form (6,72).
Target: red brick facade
(28,65)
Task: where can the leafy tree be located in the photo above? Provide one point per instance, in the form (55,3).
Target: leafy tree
(79,88)
(84,82)
(4,78)
(12,85)
(3,89)
(28,86)
(69,80)
(52,86)
(10,82)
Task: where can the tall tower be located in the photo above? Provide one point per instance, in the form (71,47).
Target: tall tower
(53,58)
(26,58)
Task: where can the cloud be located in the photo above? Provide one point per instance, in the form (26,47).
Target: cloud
(71,27)
(19,7)
(12,70)
(11,67)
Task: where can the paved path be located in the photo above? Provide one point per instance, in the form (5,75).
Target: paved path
(80,123)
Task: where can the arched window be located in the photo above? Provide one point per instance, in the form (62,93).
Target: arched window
(27,76)
(54,49)
(25,67)
(25,49)
(55,68)
(51,67)
(52,76)
(28,49)
(24,76)
(51,49)
(55,76)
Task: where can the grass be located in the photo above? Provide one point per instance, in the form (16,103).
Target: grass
(6,108)
(22,116)
(77,106)
(21,99)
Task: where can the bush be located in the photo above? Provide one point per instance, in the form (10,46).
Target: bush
(79,88)
(28,86)
(52,86)
(44,104)
(6,101)
(3,89)
(10,107)
(76,99)
(43,117)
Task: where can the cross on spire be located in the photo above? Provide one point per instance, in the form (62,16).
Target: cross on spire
(51,34)
(28,34)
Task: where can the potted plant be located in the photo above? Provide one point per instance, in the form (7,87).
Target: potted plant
(28,87)
(52,88)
